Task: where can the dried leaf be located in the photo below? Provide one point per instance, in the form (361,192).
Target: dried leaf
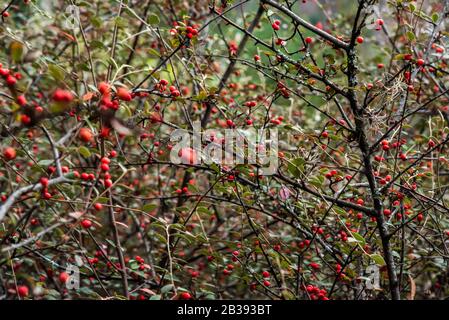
(88,96)
(411,295)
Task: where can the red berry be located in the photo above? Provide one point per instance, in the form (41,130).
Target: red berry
(104,88)
(86,223)
(61,95)
(124,94)
(10,80)
(188,156)
(9,153)
(420,62)
(63,277)
(185,296)
(44,181)
(85,134)
(23,291)
(309,40)
(108,183)
(359,39)
(21,100)
(98,206)
(265,274)
(105,160)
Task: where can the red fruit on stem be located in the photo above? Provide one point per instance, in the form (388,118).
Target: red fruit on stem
(104,88)
(44,181)
(63,277)
(9,153)
(23,291)
(188,156)
(86,223)
(124,94)
(85,134)
(185,296)
(21,100)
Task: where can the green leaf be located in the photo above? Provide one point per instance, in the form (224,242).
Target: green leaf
(153,52)
(96,21)
(45,162)
(378,259)
(103,200)
(56,72)
(435,17)
(97,44)
(410,36)
(359,238)
(203,210)
(153,19)
(339,210)
(84,152)
(296,167)
(167,288)
(149,207)
(16,51)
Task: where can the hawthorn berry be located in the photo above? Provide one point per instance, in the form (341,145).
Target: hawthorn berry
(123,94)
(44,181)
(185,296)
(85,134)
(61,95)
(21,100)
(63,277)
(23,291)
(9,153)
(420,62)
(188,156)
(276,25)
(86,223)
